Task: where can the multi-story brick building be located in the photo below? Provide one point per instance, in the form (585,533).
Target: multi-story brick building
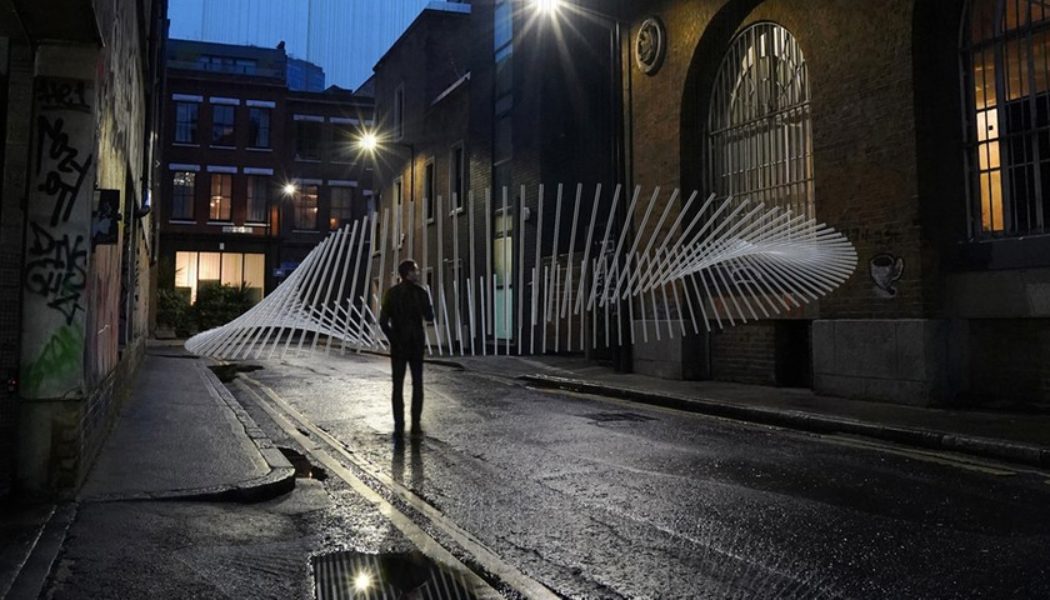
(860,116)
(879,119)
(256,171)
(478,96)
(80,91)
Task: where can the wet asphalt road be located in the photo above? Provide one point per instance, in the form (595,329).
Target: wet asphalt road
(604,499)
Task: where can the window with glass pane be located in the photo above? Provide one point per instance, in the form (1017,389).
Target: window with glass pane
(1006,86)
(759,139)
(258,198)
(307,140)
(183,185)
(305,202)
(342,208)
(456,178)
(222,125)
(259,127)
(429,190)
(219,207)
(186,122)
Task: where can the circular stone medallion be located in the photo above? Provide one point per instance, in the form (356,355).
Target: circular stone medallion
(650,45)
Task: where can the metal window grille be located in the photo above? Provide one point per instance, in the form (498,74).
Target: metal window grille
(759,136)
(1006,91)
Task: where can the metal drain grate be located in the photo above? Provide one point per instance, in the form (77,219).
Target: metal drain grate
(353,575)
(617,416)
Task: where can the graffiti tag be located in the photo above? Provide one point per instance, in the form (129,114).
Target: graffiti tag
(61,354)
(59,94)
(57,270)
(64,179)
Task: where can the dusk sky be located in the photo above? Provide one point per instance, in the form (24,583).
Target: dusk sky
(345,37)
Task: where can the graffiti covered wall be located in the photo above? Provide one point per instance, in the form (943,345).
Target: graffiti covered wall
(62,152)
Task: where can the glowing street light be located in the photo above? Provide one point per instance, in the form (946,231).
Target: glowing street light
(290,189)
(362,582)
(368,142)
(547,7)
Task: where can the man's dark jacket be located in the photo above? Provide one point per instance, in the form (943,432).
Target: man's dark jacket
(404,307)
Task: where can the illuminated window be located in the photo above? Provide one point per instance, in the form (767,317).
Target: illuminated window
(1006,86)
(759,141)
(305,204)
(221,197)
(342,207)
(194,270)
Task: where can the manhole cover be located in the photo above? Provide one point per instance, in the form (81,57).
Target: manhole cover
(345,575)
(617,416)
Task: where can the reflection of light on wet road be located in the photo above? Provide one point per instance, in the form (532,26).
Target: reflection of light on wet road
(318,443)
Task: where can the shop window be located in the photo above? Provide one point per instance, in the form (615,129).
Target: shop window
(194,270)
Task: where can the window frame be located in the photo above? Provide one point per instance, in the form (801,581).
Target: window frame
(192,126)
(225,200)
(229,130)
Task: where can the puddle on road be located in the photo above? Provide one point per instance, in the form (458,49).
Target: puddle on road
(227,372)
(348,574)
(304,469)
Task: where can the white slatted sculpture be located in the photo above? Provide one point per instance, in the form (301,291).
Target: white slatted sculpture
(723,262)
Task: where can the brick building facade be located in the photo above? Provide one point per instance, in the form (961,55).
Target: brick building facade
(478,96)
(256,172)
(80,86)
(949,303)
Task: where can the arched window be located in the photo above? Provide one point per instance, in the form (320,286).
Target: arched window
(759,140)
(1006,90)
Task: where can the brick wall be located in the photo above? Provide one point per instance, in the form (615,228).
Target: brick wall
(14,123)
(745,353)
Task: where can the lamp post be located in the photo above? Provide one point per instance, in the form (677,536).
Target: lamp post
(371,143)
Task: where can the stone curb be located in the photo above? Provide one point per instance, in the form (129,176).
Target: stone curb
(1016,452)
(279,480)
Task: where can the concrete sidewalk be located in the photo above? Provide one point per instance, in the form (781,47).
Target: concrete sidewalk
(1014,437)
(180,436)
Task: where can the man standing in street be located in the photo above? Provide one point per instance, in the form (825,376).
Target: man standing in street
(405,306)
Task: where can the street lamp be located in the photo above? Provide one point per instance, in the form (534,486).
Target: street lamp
(372,143)
(547,7)
(290,189)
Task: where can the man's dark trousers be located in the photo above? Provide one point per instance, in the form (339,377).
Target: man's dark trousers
(398,364)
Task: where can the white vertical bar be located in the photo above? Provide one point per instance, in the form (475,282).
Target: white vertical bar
(473,273)
(366,291)
(439,268)
(535,295)
(555,241)
(346,272)
(456,273)
(546,306)
(520,292)
(567,300)
(506,286)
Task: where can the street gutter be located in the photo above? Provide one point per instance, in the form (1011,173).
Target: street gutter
(1016,452)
